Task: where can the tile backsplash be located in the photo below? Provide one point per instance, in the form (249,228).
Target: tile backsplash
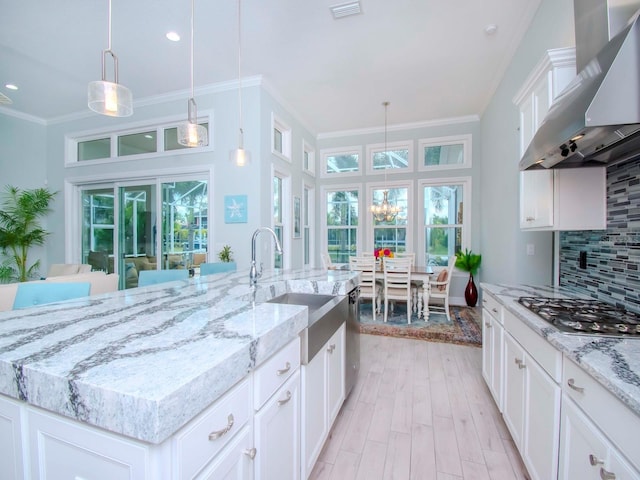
(613,255)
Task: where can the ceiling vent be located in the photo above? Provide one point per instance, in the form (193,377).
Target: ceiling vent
(4,100)
(345,9)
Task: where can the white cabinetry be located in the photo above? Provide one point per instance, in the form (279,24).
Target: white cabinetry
(492,347)
(596,442)
(323,395)
(569,199)
(10,440)
(531,408)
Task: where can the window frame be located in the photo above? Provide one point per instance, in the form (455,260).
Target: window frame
(464,139)
(374,148)
(71,140)
(309,166)
(287,216)
(325,190)
(466,183)
(329,152)
(278,124)
(371,186)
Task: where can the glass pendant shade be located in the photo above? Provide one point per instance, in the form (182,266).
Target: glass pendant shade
(239,156)
(109,98)
(190,134)
(385,211)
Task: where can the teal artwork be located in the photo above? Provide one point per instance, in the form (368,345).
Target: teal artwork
(235,209)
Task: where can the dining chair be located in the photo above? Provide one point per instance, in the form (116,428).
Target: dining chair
(61,269)
(153,277)
(217,267)
(327,263)
(369,286)
(417,286)
(397,284)
(439,290)
(30,294)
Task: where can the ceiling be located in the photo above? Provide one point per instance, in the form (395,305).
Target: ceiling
(430,58)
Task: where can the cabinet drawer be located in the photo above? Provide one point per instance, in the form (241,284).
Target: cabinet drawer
(614,418)
(537,347)
(202,439)
(274,372)
(492,306)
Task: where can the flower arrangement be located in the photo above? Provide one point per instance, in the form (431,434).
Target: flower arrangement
(383,252)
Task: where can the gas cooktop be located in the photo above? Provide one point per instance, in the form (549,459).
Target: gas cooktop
(581,316)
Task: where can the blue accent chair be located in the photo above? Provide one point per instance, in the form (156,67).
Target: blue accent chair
(153,277)
(30,294)
(217,267)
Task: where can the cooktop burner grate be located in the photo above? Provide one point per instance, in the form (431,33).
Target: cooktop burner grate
(582,316)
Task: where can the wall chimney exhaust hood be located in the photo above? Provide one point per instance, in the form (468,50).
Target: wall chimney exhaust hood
(596,119)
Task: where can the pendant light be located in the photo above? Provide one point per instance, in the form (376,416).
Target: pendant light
(239,156)
(110,98)
(190,134)
(385,211)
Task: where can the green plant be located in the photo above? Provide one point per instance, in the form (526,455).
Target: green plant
(20,230)
(226,254)
(468,261)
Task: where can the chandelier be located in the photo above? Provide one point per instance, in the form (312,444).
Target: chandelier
(385,211)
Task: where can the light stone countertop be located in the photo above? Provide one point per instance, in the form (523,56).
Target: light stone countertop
(143,362)
(612,361)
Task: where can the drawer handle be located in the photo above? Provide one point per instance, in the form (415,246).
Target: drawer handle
(286,399)
(572,384)
(250,452)
(287,367)
(487,324)
(593,460)
(331,348)
(520,363)
(494,310)
(219,433)
(530,219)
(605,475)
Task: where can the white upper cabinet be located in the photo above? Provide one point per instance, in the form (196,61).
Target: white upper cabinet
(563,199)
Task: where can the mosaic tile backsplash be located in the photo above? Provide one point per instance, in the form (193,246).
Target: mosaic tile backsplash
(613,255)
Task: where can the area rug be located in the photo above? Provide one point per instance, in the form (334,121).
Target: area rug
(464,328)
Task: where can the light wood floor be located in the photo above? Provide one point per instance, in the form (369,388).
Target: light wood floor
(419,411)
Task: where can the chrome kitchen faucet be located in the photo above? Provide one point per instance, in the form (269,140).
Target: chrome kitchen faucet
(253,271)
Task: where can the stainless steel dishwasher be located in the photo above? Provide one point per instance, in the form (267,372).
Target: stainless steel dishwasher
(352,342)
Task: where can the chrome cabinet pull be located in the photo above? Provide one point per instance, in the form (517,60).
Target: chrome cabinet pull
(530,219)
(487,324)
(572,384)
(331,348)
(287,367)
(250,452)
(605,475)
(494,310)
(219,433)
(286,399)
(593,460)
(520,363)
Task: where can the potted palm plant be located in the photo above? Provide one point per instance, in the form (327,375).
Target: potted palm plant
(469,262)
(20,229)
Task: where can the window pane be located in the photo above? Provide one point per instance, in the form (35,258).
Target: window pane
(397,197)
(171,138)
(342,163)
(277,140)
(394,239)
(444,155)
(441,243)
(98,228)
(342,208)
(277,200)
(392,159)
(341,243)
(94,149)
(277,261)
(137,143)
(443,205)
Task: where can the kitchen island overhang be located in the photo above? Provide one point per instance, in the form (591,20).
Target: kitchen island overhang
(145,361)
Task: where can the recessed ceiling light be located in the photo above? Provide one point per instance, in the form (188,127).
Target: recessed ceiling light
(11,86)
(345,9)
(173,36)
(490,29)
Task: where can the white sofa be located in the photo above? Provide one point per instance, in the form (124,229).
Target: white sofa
(100,283)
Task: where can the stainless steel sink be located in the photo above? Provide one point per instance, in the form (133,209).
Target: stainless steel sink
(326,314)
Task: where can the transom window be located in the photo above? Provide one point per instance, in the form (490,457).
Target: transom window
(445,153)
(342,224)
(308,158)
(341,161)
(398,157)
(281,138)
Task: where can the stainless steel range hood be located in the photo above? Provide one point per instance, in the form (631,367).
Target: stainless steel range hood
(596,119)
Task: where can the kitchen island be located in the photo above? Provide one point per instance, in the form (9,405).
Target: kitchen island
(144,362)
(571,402)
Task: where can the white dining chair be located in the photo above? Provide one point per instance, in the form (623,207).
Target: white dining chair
(397,284)
(369,286)
(439,290)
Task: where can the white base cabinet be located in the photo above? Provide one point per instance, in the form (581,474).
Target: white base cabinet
(323,394)
(11,440)
(492,347)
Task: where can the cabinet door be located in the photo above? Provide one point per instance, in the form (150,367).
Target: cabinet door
(235,462)
(536,199)
(277,426)
(335,374)
(487,347)
(10,440)
(497,365)
(314,399)
(582,448)
(514,381)
(542,422)
(619,467)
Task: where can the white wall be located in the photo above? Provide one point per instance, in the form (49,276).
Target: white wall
(503,244)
